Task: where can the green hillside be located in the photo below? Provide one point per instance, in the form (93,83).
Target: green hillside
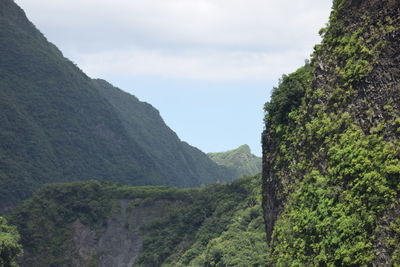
(240,160)
(57,124)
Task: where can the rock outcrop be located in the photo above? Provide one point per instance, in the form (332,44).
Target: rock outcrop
(119,242)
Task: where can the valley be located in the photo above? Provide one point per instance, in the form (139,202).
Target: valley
(92,176)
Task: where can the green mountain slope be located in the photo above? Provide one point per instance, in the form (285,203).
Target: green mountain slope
(175,159)
(240,160)
(57,124)
(85,223)
(331,147)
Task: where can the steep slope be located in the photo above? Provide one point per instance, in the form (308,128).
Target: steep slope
(101,224)
(331,163)
(175,159)
(57,124)
(241,160)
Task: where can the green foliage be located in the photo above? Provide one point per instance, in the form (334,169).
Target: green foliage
(332,216)
(287,96)
(242,244)
(10,248)
(240,160)
(355,50)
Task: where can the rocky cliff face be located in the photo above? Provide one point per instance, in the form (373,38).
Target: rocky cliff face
(120,241)
(331,164)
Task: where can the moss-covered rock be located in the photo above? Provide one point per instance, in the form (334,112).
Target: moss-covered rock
(332,166)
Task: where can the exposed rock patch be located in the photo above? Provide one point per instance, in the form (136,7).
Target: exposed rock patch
(119,242)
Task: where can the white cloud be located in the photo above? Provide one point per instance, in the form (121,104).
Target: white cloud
(191,64)
(195,39)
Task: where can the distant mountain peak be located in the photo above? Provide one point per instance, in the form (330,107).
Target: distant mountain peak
(244,148)
(240,159)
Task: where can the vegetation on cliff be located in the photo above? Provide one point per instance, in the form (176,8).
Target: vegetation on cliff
(44,221)
(332,157)
(222,227)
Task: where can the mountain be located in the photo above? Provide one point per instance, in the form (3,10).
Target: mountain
(94,223)
(331,146)
(240,160)
(57,124)
(177,160)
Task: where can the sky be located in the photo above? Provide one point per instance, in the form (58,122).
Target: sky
(208,66)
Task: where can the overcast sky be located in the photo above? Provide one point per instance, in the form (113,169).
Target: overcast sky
(207,65)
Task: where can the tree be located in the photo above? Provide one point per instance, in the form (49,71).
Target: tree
(10,248)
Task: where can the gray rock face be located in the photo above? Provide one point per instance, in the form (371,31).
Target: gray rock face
(119,243)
